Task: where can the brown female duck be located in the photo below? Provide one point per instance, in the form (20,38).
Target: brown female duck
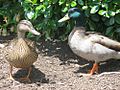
(91,46)
(20,52)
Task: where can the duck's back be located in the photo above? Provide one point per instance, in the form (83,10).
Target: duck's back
(21,53)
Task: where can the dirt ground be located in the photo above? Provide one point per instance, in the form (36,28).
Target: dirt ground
(57,68)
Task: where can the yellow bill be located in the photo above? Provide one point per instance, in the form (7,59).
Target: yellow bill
(66,17)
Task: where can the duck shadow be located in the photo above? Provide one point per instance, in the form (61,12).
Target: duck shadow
(58,49)
(35,76)
(111,65)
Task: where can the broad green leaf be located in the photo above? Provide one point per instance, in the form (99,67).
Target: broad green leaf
(108,1)
(28,1)
(65,9)
(118,30)
(101,12)
(38,7)
(117,11)
(54,1)
(117,18)
(112,21)
(107,15)
(73,4)
(105,5)
(81,2)
(85,7)
(95,17)
(111,13)
(109,31)
(41,0)
(34,1)
(87,12)
(29,35)
(103,19)
(94,9)
(92,25)
(107,22)
(61,2)
(116,2)
(30,14)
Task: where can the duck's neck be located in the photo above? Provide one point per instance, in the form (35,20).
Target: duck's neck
(21,35)
(80,22)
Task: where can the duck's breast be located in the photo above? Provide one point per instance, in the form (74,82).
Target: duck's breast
(80,46)
(21,56)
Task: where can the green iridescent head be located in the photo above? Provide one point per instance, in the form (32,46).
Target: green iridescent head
(73,13)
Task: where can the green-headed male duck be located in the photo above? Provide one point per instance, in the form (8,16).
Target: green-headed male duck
(91,46)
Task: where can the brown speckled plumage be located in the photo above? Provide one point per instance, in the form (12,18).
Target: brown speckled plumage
(21,52)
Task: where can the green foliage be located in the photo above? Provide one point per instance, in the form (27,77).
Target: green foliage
(101,16)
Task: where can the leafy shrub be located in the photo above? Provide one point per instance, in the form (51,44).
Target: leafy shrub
(101,16)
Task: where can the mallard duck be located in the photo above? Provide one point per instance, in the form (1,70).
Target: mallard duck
(20,52)
(91,46)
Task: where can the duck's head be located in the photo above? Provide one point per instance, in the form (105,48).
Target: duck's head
(26,26)
(73,13)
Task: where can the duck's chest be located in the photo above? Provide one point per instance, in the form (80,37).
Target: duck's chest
(77,42)
(21,55)
(21,48)
(80,46)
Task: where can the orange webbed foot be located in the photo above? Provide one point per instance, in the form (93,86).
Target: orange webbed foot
(25,79)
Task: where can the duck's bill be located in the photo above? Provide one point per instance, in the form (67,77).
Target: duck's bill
(66,17)
(33,31)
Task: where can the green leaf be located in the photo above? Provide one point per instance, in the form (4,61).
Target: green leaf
(87,12)
(95,17)
(94,9)
(65,9)
(103,19)
(92,25)
(118,30)
(85,7)
(117,11)
(54,1)
(41,0)
(112,21)
(61,2)
(107,22)
(30,14)
(108,1)
(117,18)
(105,5)
(101,12)
(28,1)
(81,2)
(34,1)
(111,13)
(73,4)
(38,8)
(109,31)
(116,2)
(107,15)
(29,35)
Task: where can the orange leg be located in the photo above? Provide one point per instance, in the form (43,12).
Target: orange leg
(27,77)
(94,68)
(10,73)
